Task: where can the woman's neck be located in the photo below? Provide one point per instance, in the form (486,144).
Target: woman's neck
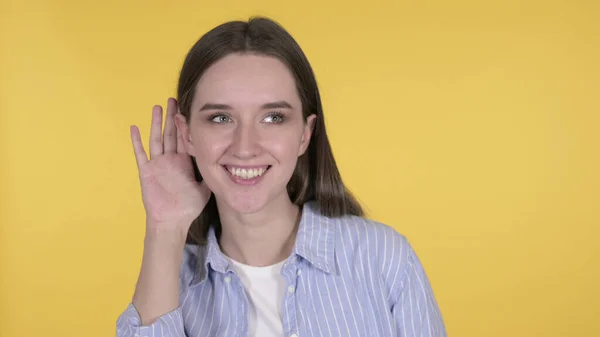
(262,238)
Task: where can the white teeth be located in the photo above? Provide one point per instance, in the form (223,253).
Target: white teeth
(246,173)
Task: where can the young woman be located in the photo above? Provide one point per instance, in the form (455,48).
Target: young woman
(250,230)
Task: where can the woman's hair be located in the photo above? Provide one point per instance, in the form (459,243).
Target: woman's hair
(316,176)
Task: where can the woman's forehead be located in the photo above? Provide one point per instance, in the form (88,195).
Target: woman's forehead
(247,78)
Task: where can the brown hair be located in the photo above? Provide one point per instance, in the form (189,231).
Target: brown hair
(316,176)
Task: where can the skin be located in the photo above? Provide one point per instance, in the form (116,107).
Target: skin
(246,112)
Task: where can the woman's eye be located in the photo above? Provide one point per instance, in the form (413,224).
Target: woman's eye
(274,118)
(220,119)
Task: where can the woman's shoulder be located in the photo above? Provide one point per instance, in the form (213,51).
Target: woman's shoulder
(369,232)
(363,239)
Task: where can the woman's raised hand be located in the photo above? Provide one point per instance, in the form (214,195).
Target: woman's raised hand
(171,195)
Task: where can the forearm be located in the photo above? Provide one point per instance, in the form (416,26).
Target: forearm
(157,289)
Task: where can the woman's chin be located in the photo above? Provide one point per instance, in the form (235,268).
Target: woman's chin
(246,204)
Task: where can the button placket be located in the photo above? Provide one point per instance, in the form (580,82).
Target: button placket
(290,272)
(235,292)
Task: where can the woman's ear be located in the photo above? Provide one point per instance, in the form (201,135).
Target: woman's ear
(183,134)
(307,134)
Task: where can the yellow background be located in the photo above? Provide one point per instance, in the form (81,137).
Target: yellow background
(470,126)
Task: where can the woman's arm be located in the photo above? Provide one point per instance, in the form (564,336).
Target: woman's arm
(155,310)
(414,306)
(172,199)
(157,289)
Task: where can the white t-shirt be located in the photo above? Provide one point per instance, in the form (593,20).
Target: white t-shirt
(265,287)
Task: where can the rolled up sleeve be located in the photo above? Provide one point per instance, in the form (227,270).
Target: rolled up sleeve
(129,324)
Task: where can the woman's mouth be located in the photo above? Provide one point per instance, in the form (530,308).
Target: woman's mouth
(246,175)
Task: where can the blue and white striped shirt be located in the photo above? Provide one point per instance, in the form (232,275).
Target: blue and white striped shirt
(347,276)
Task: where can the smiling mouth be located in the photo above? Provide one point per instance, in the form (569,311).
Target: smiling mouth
(247,173)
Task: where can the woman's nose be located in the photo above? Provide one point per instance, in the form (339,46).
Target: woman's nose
(245,141)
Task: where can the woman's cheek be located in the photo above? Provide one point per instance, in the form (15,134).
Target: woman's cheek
(286,149)
(210,140)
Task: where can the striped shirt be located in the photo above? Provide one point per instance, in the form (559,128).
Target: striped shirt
(347,276)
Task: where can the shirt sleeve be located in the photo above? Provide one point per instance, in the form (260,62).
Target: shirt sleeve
(414,306)
(167,325)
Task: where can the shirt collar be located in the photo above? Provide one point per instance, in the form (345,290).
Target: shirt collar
(315,242)
(209,254)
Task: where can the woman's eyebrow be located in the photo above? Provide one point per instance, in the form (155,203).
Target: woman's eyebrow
(215,106)
(277,105)
(270,105)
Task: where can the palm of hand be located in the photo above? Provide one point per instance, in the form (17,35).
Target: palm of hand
(170,192)
(169,189)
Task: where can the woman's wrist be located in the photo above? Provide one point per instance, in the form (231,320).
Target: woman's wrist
(171,234)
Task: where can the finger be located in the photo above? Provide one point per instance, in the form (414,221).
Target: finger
(170,134)
(156,144)
(180,144)
(138,148)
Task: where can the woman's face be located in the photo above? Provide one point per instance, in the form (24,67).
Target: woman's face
(246,130)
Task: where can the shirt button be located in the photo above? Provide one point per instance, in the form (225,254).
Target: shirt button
(293,335)
(298,272)
(291,290)
(227,279)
